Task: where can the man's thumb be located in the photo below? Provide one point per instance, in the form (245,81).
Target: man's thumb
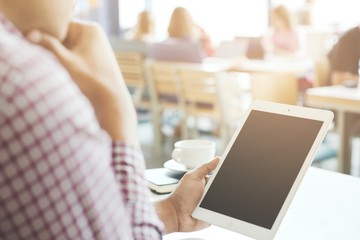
(207,168)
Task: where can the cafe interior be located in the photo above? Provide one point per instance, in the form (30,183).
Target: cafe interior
(199,85)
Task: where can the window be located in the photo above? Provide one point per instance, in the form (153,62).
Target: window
(128,12)
(221,19)
(338,14)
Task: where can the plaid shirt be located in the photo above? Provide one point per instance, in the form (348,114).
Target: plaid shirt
(61,177)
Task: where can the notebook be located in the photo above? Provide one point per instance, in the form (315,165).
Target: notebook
(162,180)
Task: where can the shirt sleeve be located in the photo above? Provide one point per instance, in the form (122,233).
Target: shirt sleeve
(129,166)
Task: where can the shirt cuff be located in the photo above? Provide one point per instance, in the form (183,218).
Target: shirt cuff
(129,167)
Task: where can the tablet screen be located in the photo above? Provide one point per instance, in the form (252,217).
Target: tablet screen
(261,167)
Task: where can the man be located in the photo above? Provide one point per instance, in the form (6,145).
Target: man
(344,58)
(70,164)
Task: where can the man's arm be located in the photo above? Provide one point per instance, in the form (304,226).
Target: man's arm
(88,57)
(129,167)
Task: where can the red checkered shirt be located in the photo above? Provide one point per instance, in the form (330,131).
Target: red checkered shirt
(61,177)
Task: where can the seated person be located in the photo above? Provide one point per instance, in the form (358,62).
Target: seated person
(71,163)
(187,42)
(136,39)
(144,29)
(344,58)
(283,38)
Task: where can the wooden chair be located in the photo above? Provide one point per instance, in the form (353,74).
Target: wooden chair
(164,93)
(132,68)
(276,87)
(211,95)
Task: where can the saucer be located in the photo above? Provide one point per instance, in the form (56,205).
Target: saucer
(175,166)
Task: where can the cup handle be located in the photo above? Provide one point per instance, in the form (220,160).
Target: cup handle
(175,155)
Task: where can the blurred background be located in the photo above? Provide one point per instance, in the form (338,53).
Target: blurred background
(274,50)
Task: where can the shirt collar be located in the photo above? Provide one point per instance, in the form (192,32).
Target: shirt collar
(8,26)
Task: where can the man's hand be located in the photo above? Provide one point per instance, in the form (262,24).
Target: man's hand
(176,211)
(87,56)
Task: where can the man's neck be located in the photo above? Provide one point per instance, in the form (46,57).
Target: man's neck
(11,14)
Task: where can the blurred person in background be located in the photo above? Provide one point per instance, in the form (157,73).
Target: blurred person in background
(144,29)
(283,38)
(186,41)
(182,26)
(344,58)
(305,13)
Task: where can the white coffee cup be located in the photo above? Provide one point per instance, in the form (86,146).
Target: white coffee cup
(193,152)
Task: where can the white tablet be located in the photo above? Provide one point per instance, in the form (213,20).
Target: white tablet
(262,167)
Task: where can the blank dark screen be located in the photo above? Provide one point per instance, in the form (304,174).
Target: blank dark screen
(261,167)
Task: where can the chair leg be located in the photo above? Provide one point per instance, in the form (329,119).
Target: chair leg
(196,132)
(223,135)
(190,128)
(156,119)
(184,129)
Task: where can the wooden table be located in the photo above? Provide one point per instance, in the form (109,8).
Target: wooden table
(326,206)
(270,64)
(346,103)
(276,79)
(275,65)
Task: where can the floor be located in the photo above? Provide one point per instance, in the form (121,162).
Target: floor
(157,159)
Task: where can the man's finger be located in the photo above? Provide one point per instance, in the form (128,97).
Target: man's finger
(49,42)
(206,169)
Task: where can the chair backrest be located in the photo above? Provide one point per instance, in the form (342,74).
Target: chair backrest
(200,92)
(177,50)
(322,72)
(255,49)
(164,95)
(132,68)
(276,87)
(214,95)
(163,83)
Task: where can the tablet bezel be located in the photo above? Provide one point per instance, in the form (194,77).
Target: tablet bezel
(246,228)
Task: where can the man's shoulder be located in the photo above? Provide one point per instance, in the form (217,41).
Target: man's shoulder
(32,80)
(20,55)
(31,74)
(23,64)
